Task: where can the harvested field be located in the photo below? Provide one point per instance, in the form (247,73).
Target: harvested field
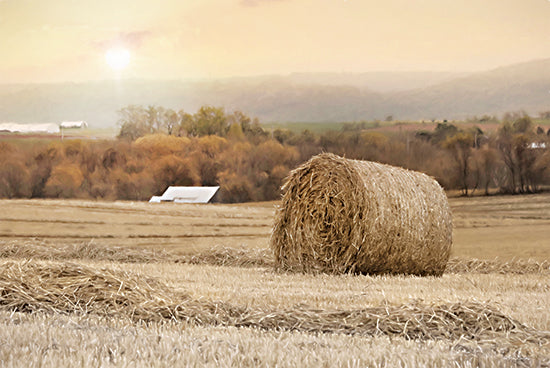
(184,228)
(114,345)
(224,256)
(134,284)
(507,227)
(64,288)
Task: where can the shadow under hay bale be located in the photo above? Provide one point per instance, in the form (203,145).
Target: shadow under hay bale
(339,215)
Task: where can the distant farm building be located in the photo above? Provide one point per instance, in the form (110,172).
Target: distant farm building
(537,145)
(186,195)
(49,128)
(73,125)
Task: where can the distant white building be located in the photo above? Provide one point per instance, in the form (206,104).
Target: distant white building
(29,128)
(538,145)
(73,124)
(186,195)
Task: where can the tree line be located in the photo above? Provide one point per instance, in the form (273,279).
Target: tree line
(158,147)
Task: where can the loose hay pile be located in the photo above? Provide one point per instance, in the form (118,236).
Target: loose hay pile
(31,286)
(339,215)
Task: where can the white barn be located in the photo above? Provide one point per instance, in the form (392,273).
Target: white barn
(29,128)
(186,195)
(73,124)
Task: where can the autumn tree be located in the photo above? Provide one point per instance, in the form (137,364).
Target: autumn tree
(154,118)
(64,182)
(172,170)
(133,186)
(234,173)
(270,162)
(307,144)
(505,144)
(171,121)
(372,146)
(45,158)
(186,125)
(284,135)
(207,158)
(157,145)
(515,143)
(211,120)
(486,160)
(133,123)
(443,131)
(460,146)
(14,179)
(234,188)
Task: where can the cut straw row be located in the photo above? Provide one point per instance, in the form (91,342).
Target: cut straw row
(223,256)
(33,286)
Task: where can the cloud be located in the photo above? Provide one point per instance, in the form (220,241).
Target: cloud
(131,40)
(252,3)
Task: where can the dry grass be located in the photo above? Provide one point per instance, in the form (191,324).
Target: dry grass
(91,251)
(31,286)
(339,216)
(224,256)
(207,281)
(233,257)
(69,341)
(507,227)
(40,249)
(244,257)
(518,266)
(183,228)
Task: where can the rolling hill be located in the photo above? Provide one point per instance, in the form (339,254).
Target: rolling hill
(299,97)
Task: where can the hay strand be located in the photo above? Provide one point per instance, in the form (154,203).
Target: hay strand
(339,215)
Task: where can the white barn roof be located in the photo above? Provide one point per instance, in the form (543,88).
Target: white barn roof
(186,195)
(29,128)
(73,124)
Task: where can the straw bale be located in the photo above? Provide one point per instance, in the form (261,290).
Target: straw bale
(339,215)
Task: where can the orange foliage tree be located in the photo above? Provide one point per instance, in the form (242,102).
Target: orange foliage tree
(159,147)
(64,182)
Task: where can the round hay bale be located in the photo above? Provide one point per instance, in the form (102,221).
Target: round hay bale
(348,216)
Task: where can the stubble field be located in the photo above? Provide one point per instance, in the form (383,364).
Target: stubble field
(86,283)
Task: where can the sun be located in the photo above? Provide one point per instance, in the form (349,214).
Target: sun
(117,58)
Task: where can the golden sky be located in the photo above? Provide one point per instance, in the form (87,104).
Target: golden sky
(66,40)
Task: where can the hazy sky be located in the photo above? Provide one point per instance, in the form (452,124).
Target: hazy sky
(66,40)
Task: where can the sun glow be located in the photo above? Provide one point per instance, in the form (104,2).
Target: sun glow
(117,58)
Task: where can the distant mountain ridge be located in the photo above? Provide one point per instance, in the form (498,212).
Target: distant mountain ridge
(298,97)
